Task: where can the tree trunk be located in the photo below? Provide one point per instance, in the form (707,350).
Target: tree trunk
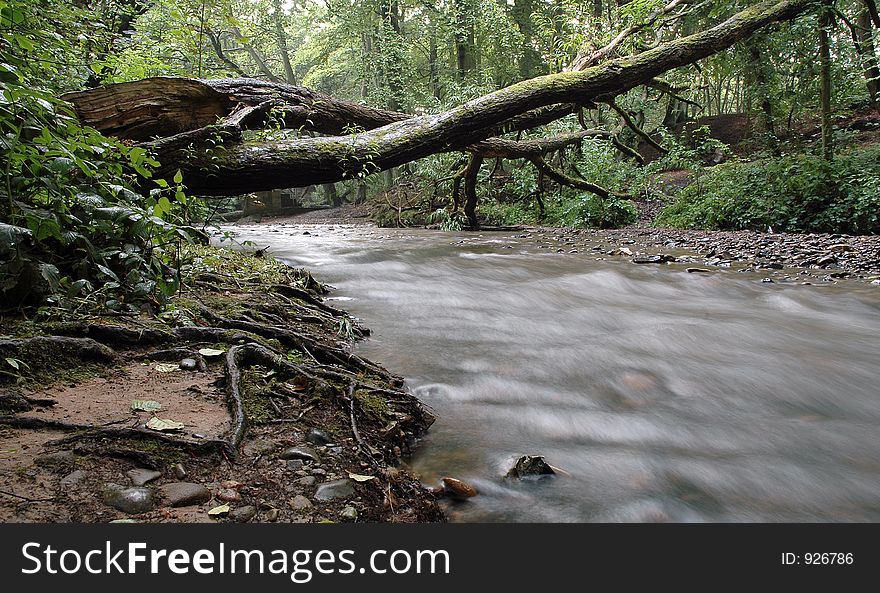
(868,53)
(281,40)
(825,81)
(235,167)
(757,71)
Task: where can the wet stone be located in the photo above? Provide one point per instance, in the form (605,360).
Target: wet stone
(334,489)
(302,453)
(141,476)
(188,364)
(133,501)
(530,467)
(243,514)
(316,436)
(182,494)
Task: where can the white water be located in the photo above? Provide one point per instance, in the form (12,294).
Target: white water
(666,396)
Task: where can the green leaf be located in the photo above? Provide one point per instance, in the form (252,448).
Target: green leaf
(178,177)
(13,363)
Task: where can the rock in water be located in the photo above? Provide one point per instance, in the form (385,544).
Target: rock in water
(530,466)
(648,259)
(334,489)
(184,494)
(456,488)
(140,476)
(133,500)
(316,436)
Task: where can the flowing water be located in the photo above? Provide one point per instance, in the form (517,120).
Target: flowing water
(663,395)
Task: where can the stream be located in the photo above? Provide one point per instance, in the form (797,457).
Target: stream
(662,395)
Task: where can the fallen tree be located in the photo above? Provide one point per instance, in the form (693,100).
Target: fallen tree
(198,126)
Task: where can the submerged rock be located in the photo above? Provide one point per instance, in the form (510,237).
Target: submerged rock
(530,466)
(455,488)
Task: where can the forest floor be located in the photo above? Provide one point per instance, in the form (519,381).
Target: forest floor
(241,402)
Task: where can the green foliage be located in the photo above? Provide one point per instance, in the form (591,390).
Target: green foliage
(592,211)
(793,193)
(446,220)
(73,230)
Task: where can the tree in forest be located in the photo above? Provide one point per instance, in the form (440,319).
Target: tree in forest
(390,138)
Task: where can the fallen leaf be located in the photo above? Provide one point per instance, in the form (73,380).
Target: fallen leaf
(360,478)
(162,425)
(145,405)
(211,352)
(167,367)
(221,510)
(125,521)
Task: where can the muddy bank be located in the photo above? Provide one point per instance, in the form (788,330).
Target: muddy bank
(241,402)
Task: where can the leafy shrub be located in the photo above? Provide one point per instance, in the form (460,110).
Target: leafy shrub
(794,193)
(73,226)
(592,211)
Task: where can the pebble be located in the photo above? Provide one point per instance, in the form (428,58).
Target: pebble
(306,481)
(243,514)
(303,453)
(229,495)
(648,259)
(319,472)
(316,436)
(182,494)
(188,364)
(272,515)
(300,502)
(350,513)
(133,501)
(295,464)
(73,478)
(179,471)
(335,489)
(140,476)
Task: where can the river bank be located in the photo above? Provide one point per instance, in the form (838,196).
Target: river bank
(240,402)
(781,257)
